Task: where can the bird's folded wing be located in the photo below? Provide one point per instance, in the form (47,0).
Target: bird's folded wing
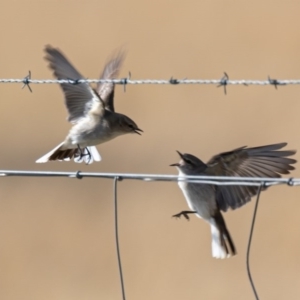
(263,161)
(79,98)
(111,71)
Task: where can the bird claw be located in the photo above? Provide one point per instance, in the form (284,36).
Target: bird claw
(178,216)
(83,154)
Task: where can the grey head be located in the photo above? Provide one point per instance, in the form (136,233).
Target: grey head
(190,164)
(123,124)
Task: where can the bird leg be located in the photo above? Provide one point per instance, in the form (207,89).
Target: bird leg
(89,154)
(185,214)
(82,154)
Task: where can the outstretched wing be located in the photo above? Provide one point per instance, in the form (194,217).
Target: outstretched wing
(111,71)
(264,161)
(79,98)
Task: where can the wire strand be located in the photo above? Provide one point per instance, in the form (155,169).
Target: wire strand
(250,240)
(117,237)
(124,81)
(215,180)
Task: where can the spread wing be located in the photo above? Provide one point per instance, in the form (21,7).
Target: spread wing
(111,71)
(265,161)
(79,98)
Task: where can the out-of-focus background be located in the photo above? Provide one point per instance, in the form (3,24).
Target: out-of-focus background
(57,234)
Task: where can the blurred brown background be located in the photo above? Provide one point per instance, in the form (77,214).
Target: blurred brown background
(57,234)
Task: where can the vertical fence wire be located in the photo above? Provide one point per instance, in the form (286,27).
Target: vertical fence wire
(115,190)
(250,240)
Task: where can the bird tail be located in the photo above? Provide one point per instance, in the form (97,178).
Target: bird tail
(222,244)
(88,155)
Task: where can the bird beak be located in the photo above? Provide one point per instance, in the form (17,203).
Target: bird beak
(177,164)
(181,155)
(137,131)
(174,165)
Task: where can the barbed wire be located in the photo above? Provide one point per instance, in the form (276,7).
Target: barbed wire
(222,82)
(171,81)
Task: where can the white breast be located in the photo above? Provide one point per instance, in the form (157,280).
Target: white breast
(183,187)
(199,197)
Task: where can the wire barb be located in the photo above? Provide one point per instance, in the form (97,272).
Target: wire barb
(275,82)
(250,240)
(224,82)
(173,81)
(124,81)
(74,81)
(26,81)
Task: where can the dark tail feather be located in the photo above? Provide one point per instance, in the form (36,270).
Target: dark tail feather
(64,154)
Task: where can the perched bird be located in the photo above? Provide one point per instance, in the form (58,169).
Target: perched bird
(91,111)
(207,201)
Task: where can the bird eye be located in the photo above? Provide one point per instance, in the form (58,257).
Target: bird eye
(131,126)
(188,161)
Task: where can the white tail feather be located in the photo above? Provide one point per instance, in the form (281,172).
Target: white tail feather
(45,158)
(95,154)
(218,250)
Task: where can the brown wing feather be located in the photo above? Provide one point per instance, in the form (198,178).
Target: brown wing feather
(79,98)
(111,71)
(264,161)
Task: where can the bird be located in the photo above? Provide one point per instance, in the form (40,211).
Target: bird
(207,201)
(91,111)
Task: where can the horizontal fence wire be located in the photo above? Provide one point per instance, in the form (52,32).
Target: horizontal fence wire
(215,180)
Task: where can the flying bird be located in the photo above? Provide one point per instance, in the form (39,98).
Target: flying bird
(207,201)
(91,111)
